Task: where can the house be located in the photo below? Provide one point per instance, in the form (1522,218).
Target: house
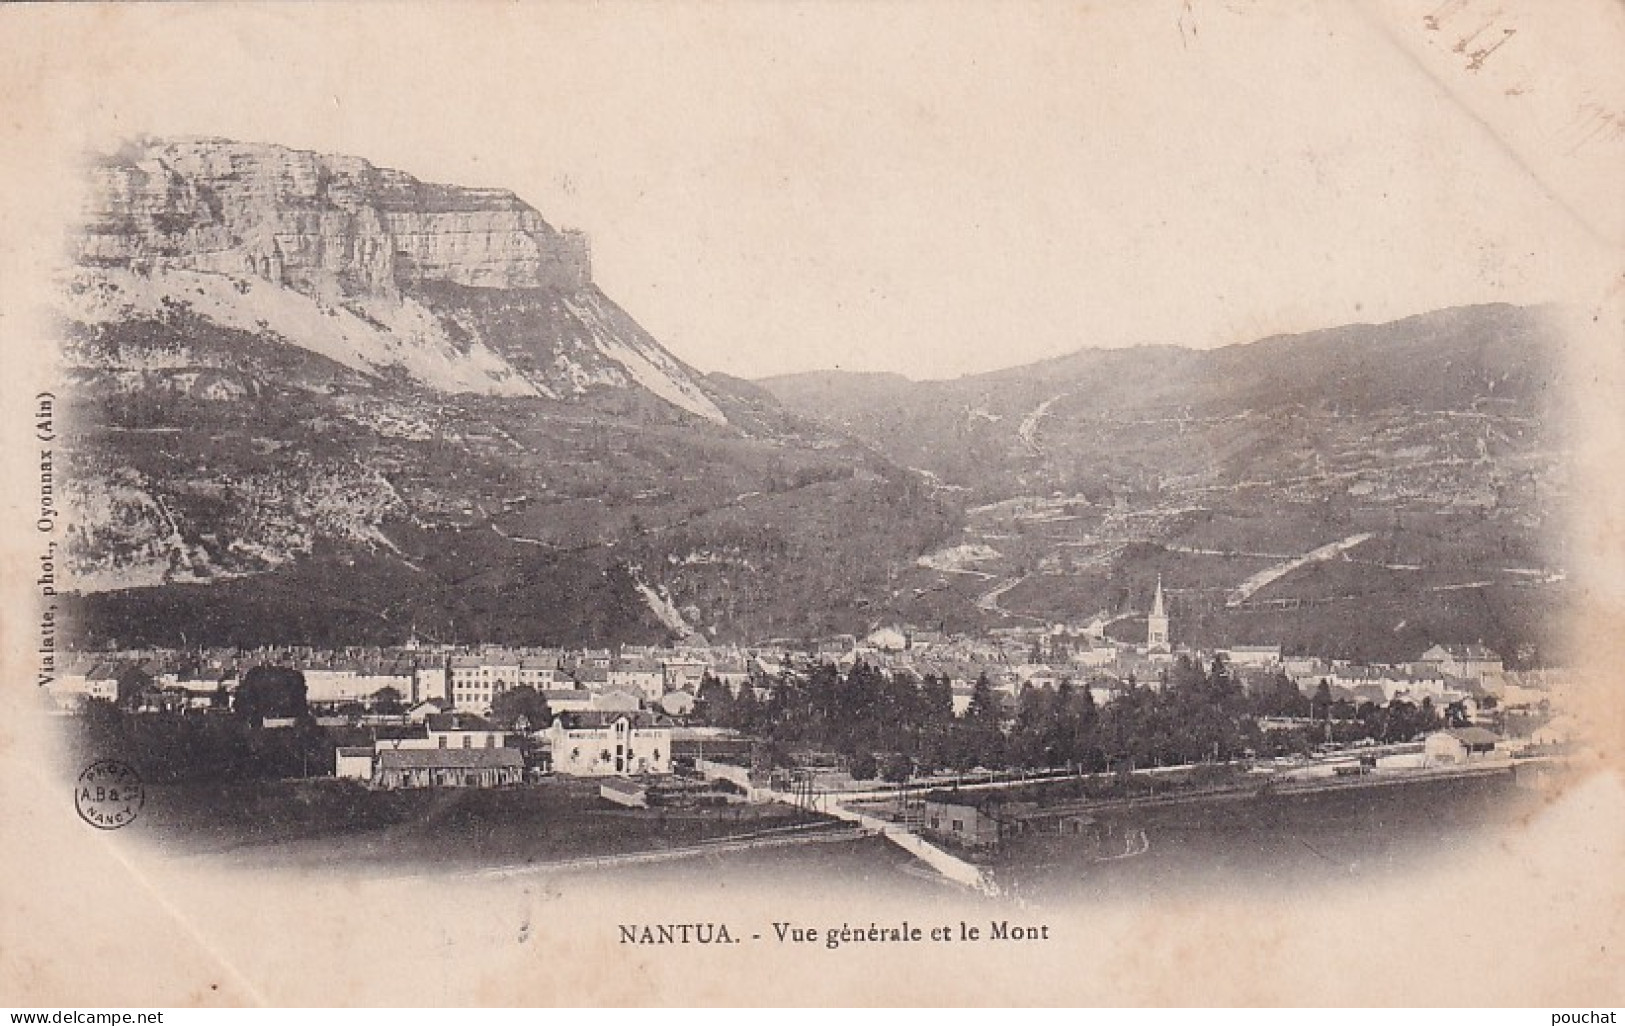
(353,763)
(426,708)
(1094,655)
(1252,655)
(563,700)
(970,821)
(388,737)
(463,730)
(887,639)
(85,681)
(440,731)
(451,767)
(1468,662)
(1460,747)
(355,680)
(476,680)
(603,744)
(429,682)
(615,701)
(192,692)
(1037,675)
(538,672)
(683,674)
(641,677)
(733,673)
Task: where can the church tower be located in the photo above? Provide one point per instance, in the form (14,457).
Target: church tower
(1156,625)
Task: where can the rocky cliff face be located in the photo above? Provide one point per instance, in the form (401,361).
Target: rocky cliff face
(465,290)
(325,225)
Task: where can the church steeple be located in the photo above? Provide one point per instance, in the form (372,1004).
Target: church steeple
(1156,625)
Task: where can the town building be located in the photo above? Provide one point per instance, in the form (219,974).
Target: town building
(346,679)
(975,821)
(1461,746)
(683,674)
(353,762)
(451,767)
(602,744)
(1252,656)
(1469,663)
(644,678)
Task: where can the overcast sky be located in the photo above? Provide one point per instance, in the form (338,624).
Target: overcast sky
(938,189)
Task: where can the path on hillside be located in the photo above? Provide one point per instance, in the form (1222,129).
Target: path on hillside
(1028,431)
(1270,575)
(989,600)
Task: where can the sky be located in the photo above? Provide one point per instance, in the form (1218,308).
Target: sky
(944,188)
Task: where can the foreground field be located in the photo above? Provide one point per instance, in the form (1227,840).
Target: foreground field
(1351,835)
(319,823)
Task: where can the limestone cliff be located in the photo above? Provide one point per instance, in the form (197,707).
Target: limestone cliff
(321,224)
(463,289)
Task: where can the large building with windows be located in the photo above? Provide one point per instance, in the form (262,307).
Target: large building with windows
(609,744)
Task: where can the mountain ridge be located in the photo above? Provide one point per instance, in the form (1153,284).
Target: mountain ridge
(324,402)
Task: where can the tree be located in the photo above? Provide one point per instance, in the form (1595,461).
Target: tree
(713,702)
(387,701)
(1455,714)
(896,768)
(863,766)
(1279,696)
(981,741)
(276,691)
(133,684)
(523,702)
(1321,704)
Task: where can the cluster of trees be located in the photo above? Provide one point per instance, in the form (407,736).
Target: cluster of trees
(879,724)
(1399,720)
(522,704)
(274,691)
(174,749)
(893,726)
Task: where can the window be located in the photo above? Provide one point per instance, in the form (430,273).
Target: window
(442,740)
(468,740)
(959,826)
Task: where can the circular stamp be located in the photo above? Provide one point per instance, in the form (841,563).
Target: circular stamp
(109,794)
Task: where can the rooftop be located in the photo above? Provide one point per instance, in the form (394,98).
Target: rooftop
(451,758)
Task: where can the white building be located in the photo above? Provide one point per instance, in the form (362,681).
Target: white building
(643,678)
(353,763)
(1468,662)
(683,674)
(597,744)
(355,680)
(1461,747)
(429,681)
(1252,656)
